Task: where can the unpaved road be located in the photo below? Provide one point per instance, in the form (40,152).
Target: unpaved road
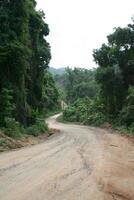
(80,163)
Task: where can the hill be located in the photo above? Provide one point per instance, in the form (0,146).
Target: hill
(58,71)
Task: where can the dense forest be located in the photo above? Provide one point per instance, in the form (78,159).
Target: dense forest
(76,83)
(27,89)
(109,98)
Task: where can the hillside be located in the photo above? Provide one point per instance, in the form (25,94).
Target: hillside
(58,71)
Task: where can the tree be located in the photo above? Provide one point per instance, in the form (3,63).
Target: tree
(116,67)
(24,58)
(114,102)
(80,83)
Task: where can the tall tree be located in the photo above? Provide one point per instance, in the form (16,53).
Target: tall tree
(24,57)
(116,67)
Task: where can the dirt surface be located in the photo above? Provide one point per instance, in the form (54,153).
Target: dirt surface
(80,163)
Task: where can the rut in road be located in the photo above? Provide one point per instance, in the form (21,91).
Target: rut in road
(79,163)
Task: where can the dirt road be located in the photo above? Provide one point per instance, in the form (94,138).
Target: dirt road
(80,163)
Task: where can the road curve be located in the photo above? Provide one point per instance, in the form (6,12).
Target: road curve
(68,166)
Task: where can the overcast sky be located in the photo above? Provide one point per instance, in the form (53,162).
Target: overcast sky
(79,26)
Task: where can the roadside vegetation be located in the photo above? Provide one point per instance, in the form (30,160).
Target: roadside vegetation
(27,89)
(106,94)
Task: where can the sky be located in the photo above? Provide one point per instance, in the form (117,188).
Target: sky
(79,26)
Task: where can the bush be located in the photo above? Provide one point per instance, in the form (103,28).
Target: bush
(2,141)
(6,105)
(126,116)
(86,111)
(131,129)
(96,119)
(15,130)
(12,128)
(38,128)
(69,114)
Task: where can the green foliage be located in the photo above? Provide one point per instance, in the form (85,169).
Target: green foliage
(6,105)
(12,128)
(80,83)
(60,80)
(2,141)
(76,83)
(116,67)
(115,76)
(86,111)
(110,88)
(69,114)
(50,96)
(130,129)
(26,86)
(126,115)
(40,127)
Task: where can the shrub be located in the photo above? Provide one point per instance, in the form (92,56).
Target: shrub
(15,130)
(12,128)
(38,128)
(2,141)
(96,119)
(126,116)
(131,129)
(69,114)
(6,105)
(86,111)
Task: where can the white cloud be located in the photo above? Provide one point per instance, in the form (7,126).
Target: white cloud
(79,26)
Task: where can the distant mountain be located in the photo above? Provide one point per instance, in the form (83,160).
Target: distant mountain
(58,71)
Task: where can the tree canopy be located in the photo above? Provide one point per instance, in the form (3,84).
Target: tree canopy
(25,83)
(115,79)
